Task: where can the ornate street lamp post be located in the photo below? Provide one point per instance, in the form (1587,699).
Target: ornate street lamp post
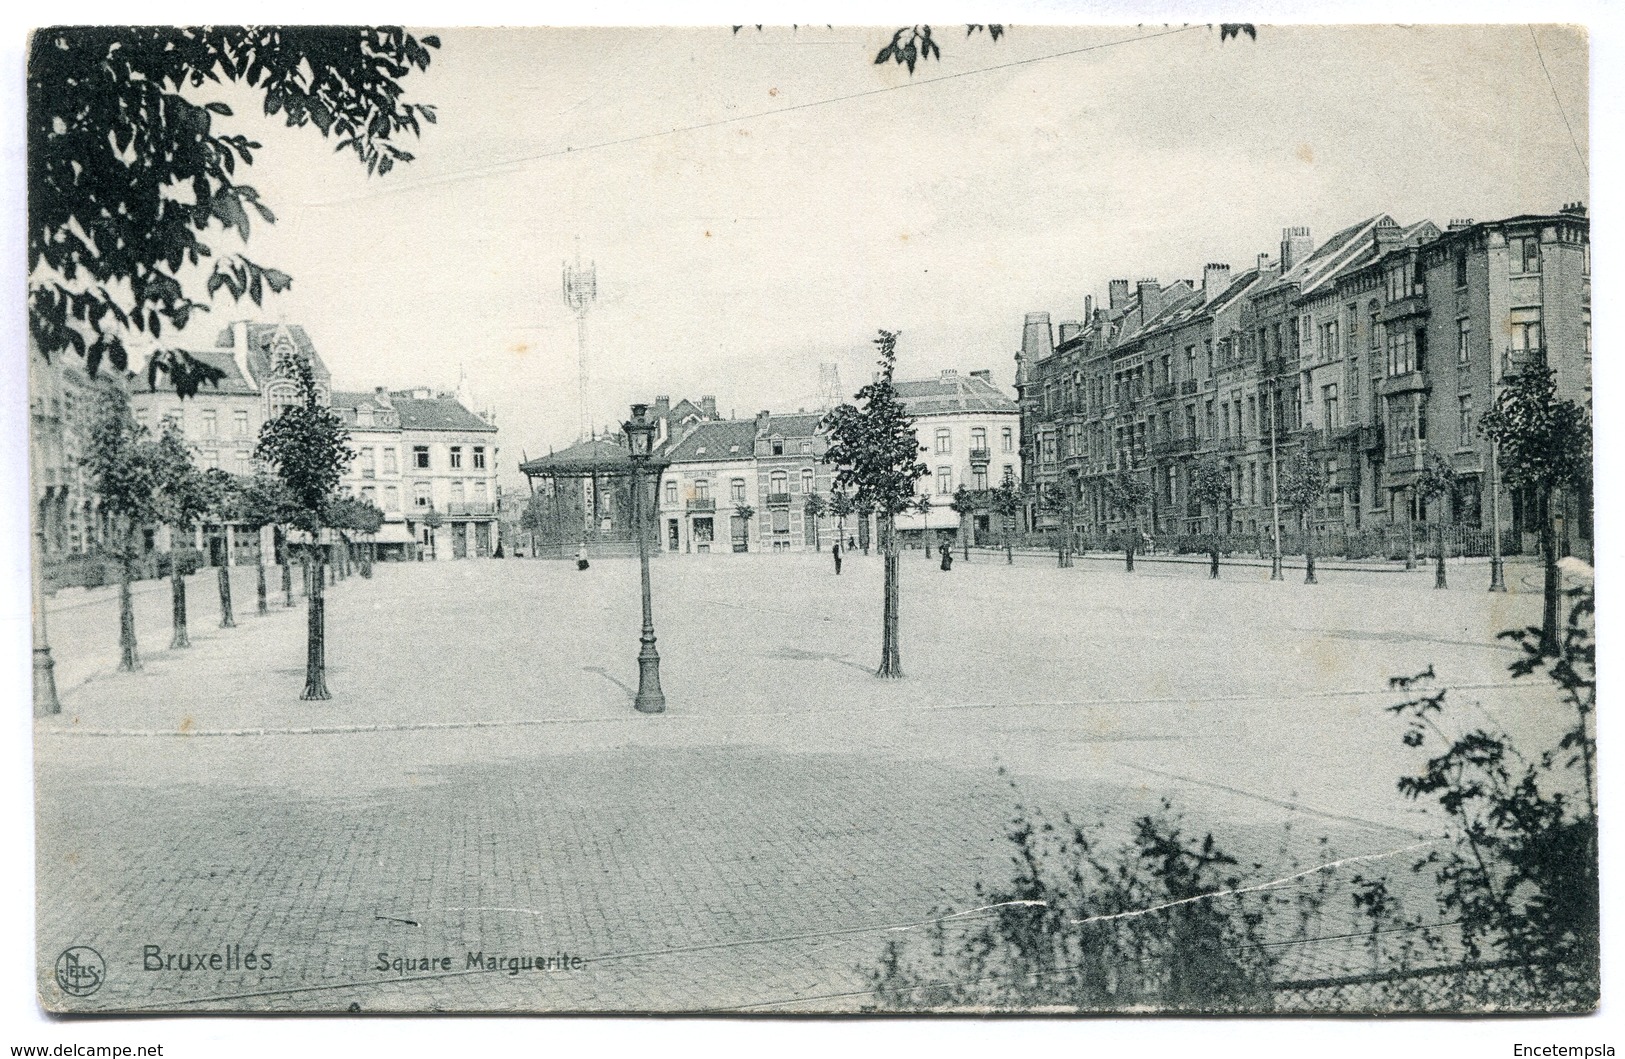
(1497,570)
(1275,488)
(640,437)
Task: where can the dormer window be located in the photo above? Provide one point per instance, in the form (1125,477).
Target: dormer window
(778,446)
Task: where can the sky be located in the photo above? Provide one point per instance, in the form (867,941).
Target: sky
(733,258)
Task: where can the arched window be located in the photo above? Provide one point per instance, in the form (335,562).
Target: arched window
(806,480)
(778,482)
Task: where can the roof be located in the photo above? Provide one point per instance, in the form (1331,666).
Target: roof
(436,413)
(346,404)
(794,425)
(223,361)
(716,441)
(261,337)
(593,456)
(952,392)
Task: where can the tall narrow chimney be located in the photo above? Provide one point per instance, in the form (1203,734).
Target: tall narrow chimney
(239,351)
(1215,278)
(1150,292)
(708,406)
(1295,246)
(1037,342)
(1117,294)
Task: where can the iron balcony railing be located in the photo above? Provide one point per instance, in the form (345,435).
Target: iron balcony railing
(702,504)
(778,500)
(471,507)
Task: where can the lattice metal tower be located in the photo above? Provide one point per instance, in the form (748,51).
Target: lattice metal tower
(829,387)
(580,292)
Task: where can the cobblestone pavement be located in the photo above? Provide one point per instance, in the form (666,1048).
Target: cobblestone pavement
(479,783)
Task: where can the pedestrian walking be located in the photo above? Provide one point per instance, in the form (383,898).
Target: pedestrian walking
(836,551)
(581,557)
(947,554)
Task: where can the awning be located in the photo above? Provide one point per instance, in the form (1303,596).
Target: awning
(393,533)
(943,519)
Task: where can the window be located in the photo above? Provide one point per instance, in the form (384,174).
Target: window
(1190,362)
(420,457)
(1461,268)
(806,480)
(210,423)
(479,457)
(806,448)
(389,460)
(1328,340)
(456,457)
(1207,350)
(1401,353)
(944,441)
(1464,421)
(479,489)
(456,490)
(244,461)
(671,494)
(392,498)
(211,458)
(239,423)
(778,446)
(1523,253)
(978,439)
(778,482)
(979,479)
(702,489)
(1525,330)
(420,494)
(1328,401)
(1211,422)
(1006,440)
(1308,387)
(1373,326)
(736,491)
(945,480)
(366,461)
(1167,368)
(1464,335)
(370,495)
(1009,473)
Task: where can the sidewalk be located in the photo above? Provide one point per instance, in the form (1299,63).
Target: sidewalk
(1288,562)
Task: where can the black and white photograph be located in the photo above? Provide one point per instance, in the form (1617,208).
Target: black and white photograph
(804,520)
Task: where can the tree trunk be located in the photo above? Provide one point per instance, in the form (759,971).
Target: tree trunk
(964,534)
(316,641)
(1213,551)
(332,568)
(1309,552)
(287,577)
(818,541)
(1553,583)
(177,598)
(1438,570)
(1410,530)
(223,579)
(260,605)
(891,661)
(1129,542)
(128,660)
(1009,537)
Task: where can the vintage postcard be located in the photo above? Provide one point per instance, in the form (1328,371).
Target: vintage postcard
(809,519)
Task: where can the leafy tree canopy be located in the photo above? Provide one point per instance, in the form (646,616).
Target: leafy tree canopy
(309,448)
(1544,440)
(120,459)
(1210,482)
(1302,484)
(128,173)
(874,447)
(183,493)
(1127,492)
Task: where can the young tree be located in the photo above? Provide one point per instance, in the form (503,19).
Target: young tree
(181,500)
(258,501)
(1056,499)
(1006,501)
(1127,493)
(1210,487)
(434,520)
(964,505)
(1437,482)
(308,447)
(220,490)
(812,508)
(745,513)
(121,462)
(876,453)
(127,171)
(1302,488)
(1545,446)
(922,507)
(841,506)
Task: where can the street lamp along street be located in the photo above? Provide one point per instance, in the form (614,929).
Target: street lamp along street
(640,431)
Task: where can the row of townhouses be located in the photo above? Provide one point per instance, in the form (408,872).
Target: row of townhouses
(416,451)
(742,485)
(1367,352)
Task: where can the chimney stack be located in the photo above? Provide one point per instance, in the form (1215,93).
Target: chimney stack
(662,405)
(1150,292)
(1387,235)
(1037,342)
(1263,262)
(1117,294)
(1459,223)
(1069,330)
(1295,246)
(762,419)
(1574,209)
(1088,307)
(1215,278)
(708,406)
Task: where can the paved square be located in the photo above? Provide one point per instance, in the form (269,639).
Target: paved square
(479,783)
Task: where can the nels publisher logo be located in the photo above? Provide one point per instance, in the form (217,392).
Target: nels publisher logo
(80,970)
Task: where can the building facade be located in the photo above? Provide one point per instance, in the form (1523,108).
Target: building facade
(970,435)
(1366,354)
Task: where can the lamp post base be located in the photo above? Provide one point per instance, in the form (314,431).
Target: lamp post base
(46,703)
(649,699)
(1498,581)
(1275,568)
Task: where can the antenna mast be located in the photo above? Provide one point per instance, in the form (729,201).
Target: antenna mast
(580,292)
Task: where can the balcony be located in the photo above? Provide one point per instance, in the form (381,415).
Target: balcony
(980,456)
(1411,305)
(702,503)
(470,507)
(778,500)
(1187,387)
(1176,447)
(1163,392)
(1515,360)
(1232,444)
(1409,382)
